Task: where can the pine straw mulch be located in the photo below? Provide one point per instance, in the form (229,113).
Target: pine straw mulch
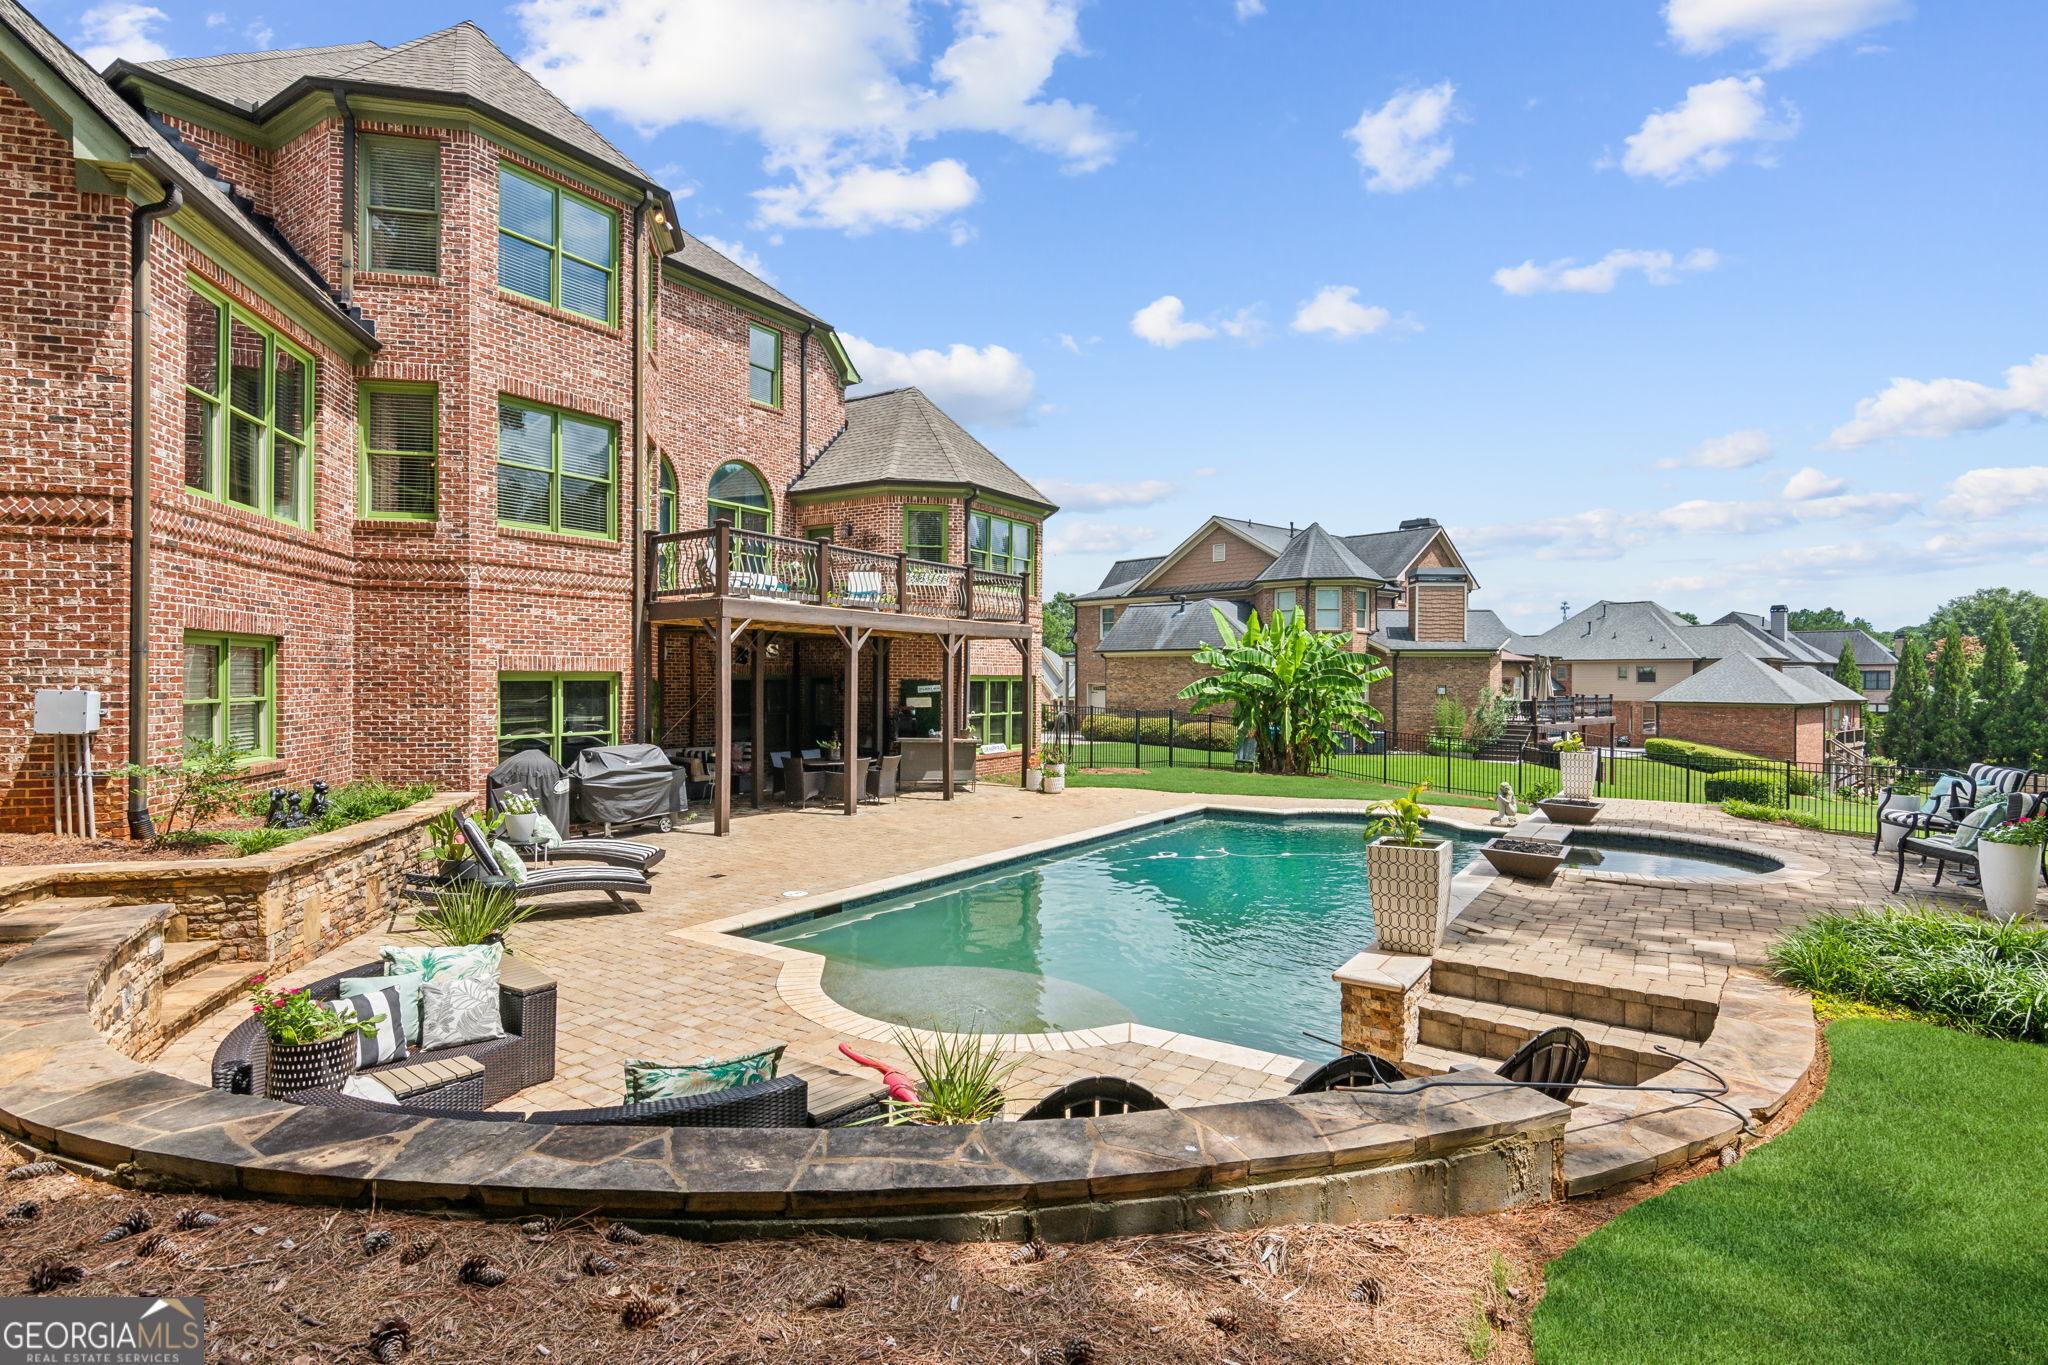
(286,1285)
(43,850)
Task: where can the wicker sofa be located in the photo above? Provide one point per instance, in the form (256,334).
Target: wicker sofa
(524,1056)
(784,1102)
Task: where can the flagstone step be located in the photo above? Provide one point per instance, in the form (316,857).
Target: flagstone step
(28,922)
(1645,1005)
(1493,1032)
(183,959)
(200,994)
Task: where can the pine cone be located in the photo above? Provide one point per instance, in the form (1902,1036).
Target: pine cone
(1033,1250)
(134,1223)
(35,1170)
(1072,1351)
(415,1252)
(597,1263)
(155,1244)
(623,1235)
(48,1274)
(832,1297)
(392,1339)
(641,1312)
(377,1241)
(478,1270)
(537,1228)
(22,1211)
(196,1218)
(1368,1291)
(1223,1320)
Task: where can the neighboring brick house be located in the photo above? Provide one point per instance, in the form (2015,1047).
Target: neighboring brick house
(426,356)
(1705,683)
(1875,660)
(1403,595)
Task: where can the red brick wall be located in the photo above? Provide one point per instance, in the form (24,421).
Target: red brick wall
(1766,731)
(1412,705)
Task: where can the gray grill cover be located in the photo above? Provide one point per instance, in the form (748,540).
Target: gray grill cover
(625,783)
(532,771)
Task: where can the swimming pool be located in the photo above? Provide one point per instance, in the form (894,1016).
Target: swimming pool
(1659,855)
(1226,926)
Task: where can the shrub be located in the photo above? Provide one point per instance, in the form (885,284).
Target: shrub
(1799,782)
(1765,789)
(366,798)
(1979,975)
(1155,730)
(1780,815)
(1540,788)
(1110,729)
(1217,737)
(247,841)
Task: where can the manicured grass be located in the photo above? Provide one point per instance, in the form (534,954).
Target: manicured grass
(1231,782)
(1898,1221)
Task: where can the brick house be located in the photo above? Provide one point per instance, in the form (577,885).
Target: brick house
(360,399)
(1876,662)
(1403,595)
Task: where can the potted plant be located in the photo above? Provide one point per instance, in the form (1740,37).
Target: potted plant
(1532,858)
(961,1078)
(1034,776)
(448,849)
(1578,768)
(1908,791)
(1410,876)
(311,1046)
(2009,865)
(1054,759)
(473,911)
(521,812)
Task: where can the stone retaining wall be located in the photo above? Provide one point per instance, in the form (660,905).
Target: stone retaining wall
(284,907)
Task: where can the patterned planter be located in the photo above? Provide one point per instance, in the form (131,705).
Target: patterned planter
(1411,893)
(1579,772)
(2010,874)
(312,1066)
(1566,811)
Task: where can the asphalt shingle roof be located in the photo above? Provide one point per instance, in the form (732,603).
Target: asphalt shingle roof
(1483,630)
(1180,627)
(1315,553)
(1870,651)
(1741,680)
(1122,576)
(1387,553)
(695,256)
(250,78)
(1792,646)
(901,436)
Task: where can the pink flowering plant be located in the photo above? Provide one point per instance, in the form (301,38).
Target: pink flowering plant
(2028,830)
(294,1016)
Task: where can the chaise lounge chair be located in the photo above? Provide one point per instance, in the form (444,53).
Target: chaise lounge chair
(615,882)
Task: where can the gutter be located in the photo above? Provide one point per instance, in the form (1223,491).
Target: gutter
(350,212)
(803,397)
(639,484)
(140,225)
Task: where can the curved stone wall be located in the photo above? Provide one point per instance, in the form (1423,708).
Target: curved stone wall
(67,1085)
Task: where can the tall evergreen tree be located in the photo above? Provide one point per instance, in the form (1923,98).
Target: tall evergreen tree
(1847,672)
(1949,735)
(2034,711)
(2000,719)
(1905,721)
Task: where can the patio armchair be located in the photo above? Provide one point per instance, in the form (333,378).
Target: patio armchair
(1093,1097)
(882,777)
(855,771)
(1952,849)
(1352,1071)
(1943,810)
(801,785)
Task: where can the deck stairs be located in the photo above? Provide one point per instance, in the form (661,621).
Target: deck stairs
(1515,736)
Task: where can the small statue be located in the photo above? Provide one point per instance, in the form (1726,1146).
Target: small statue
(316,804)
(1504,806)
(294,818)
(275,819)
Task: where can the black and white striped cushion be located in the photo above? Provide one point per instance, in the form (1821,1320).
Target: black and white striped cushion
(386,1041)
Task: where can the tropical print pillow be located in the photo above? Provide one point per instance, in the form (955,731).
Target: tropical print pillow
(509,861)
(479,960)
(666,1081)
(458,1010)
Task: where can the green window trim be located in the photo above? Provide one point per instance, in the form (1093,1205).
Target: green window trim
(398,479)
(518,466)
(519,270)
(401,198)
(820,531)
(240,432)
(667,503)
(562,713)
(231,696)
(995,710)
(764,372)
(1000,544)
(925,532)
(744,516)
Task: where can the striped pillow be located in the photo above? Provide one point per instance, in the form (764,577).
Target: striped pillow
(385,1042)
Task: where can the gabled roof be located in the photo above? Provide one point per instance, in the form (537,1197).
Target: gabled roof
(1870,651)
(1177,627)
(1315,553)
(1788,646)
(1484,630)
(1622,630)
(1124,574)
(1740,680)
(901,436)
(250,78)
(1271,539)
(1389,553)
(697,258)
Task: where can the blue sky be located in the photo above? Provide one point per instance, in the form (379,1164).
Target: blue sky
(1725,302)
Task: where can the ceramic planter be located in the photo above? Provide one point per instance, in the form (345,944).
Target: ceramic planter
(2010,874)
(1033,779)
(1579,772)
(1888,836)
(1515,858)
(1566,811)
(1055,780)
(1411,893)
(519,828)
(312,1066)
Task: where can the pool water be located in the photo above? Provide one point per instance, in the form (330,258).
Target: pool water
(1659,857)
(1224,926)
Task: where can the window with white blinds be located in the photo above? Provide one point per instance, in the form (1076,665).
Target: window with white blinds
(402,205)
(399,466)
(231,692)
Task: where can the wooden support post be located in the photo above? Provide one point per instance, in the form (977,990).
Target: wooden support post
(902,583)
(722,570)
(853,637)
(760,747)
(721,642)
(1030,711)
(949,725)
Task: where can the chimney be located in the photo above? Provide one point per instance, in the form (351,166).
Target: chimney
(1779,617)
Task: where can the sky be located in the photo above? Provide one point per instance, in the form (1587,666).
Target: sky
(1721,302)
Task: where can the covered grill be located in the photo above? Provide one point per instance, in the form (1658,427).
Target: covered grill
(534,773)
(628,784)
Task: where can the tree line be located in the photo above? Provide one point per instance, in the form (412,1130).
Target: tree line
(1947,709)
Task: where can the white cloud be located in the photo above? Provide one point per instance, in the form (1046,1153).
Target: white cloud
(1811,483)
(1078,345)
(1945,407)
(837,91)
(1245,324)
(1164,322)
(117,31)
(1987,494)
(1250,9)
(1567,276)
(1091,538)
(1402,144)
(1703,133)
(740,255)
(1786,30)
(1736,450)
(1606,532)
(1094,497)
(1335,309)
(979,386)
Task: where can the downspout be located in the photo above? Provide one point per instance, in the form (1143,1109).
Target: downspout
(350,211)
(639,531)
(803,397)
(140,826)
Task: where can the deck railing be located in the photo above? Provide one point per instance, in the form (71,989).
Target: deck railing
(725,561)
(1568,710)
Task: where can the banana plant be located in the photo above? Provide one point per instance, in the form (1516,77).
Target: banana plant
(1290,689)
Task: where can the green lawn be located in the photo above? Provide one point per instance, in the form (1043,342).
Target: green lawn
(1900,1221)
(1231,782)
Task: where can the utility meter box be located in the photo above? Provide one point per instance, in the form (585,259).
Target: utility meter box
(67,711)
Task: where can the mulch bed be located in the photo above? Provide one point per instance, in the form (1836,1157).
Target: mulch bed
(41,850)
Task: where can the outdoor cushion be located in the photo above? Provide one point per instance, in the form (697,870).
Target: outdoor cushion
(544,832)
(1977,821)
(384,1041)
(662,1081)
(1938,798)
(408,987)
(441,961)
(509,861)
(459,1010)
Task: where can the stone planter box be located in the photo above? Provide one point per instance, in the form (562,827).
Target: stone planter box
(1516,857)
(312,1066)
(1579,772)
(2011,873)
(1411,893)
(1567,811)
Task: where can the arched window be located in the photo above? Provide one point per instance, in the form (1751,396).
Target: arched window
(665,500)
(738,495)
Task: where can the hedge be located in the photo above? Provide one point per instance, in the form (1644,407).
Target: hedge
(1218,737)
(1763,789)
(1705,758)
